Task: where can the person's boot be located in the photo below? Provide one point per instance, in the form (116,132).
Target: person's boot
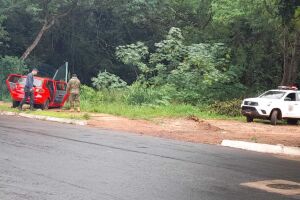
(19,108)
(78,109)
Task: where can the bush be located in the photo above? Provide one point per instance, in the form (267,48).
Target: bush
(140,94)
(90,95)
(229,108)
(106,80)
(92,100)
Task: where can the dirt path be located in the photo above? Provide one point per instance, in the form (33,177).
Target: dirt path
(200,131)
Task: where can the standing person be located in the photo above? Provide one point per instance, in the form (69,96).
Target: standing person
(74,89)
(28,89)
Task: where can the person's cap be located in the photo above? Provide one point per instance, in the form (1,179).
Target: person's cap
(35,69)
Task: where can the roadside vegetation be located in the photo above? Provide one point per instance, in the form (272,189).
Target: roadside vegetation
(156,58)
(148,104)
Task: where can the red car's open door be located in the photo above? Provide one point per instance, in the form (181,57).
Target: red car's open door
(61,94)
(12,81)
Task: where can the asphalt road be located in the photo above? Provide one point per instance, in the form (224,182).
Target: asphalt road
(43,160)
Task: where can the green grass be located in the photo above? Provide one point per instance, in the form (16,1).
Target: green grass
(6,108)
(146,112)
(48,113)
(150,112)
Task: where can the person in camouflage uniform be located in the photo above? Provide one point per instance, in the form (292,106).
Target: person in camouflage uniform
(74,89)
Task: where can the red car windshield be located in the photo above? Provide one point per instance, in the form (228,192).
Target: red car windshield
(36,82)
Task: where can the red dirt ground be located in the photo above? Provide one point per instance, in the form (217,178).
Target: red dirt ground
(202,131)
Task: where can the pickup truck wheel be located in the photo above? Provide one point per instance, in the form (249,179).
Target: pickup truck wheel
(15,104)
(274,117)
(45,106)
(249,119)
(292,121)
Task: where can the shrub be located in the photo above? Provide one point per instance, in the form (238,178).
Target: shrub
(229,108)
(90,95)
(114,95)
(106,80)
(140,94)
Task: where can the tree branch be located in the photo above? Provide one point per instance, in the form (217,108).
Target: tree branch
(48,23)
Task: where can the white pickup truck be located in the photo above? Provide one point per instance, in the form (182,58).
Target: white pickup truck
(274,105)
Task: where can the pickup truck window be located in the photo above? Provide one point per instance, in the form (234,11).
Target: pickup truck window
(273,95)
(290,97)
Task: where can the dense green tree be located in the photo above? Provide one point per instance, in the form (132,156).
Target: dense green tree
(196,71)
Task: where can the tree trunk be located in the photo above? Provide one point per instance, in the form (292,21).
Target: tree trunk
(295,57)
(291,60)
(286,70)
(48,23)
(39,36)
(45,27)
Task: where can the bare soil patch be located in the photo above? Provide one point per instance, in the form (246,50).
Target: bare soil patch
(179,129)
(202,131)
(261,132)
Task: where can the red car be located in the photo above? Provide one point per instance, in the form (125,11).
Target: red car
(48,93)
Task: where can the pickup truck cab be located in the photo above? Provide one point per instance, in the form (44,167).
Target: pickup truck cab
(48,93)
(274,105)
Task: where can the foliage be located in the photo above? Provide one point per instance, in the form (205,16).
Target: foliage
(144,104)
(106,80)
(3,32)
(253,31)
(40,10)
(89,94)
(228,108)
(219,50)
(205,66)
(93,97)
(9,65)
(140,94)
